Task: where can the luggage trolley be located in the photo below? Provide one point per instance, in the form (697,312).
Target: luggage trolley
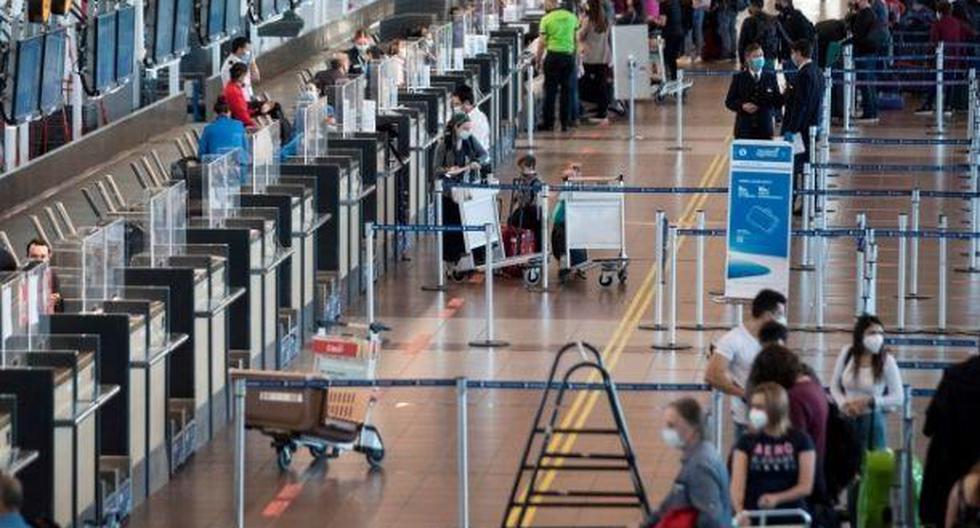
(596,220)
(477,207)
(760,517)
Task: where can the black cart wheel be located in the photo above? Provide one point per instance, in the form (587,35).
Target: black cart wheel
(284,457)
(375,457)
(623,276)
(605,280)
(459,276)
(319,452)
(532,275)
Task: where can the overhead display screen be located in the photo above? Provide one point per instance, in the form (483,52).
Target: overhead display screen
(126,43)
(53,72)
(28,82)
(163,30)
(233,17)
(183,26)
(216,18)
(105,50)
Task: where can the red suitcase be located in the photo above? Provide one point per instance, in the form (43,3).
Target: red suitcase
(516,242)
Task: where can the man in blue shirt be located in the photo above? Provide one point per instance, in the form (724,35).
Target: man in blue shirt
(11,499)
(223,134)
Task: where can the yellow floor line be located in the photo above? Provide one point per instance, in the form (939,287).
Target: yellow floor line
(615,346)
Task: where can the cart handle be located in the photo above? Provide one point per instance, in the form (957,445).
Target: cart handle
(375,327)
(593,179)
(763,514)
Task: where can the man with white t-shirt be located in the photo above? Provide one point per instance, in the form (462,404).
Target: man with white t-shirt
(729,366)
(241,51)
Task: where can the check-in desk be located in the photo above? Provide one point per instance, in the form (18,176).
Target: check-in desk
(13,458)
(199,301)
(505,43)
(294,203)
(136,346)
(487,68)
(338,189)
(59,405)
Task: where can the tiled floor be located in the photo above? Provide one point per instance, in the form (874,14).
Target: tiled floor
(417,487)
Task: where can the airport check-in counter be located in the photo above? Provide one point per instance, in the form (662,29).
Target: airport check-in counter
(338,244)
(13,458)
(506,44)
(61,405)
(488,80)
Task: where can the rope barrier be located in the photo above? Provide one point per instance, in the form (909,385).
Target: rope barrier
(875,82)
(887,58)
(931,342)
(900,71)
(899,141)
(893,167)
(424,228)
(850,232)
(888,193)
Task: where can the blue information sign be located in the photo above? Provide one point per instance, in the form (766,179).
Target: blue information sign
(760,201)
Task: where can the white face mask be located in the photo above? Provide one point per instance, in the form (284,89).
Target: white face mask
(758,418)
(671,437)
(465,134)
(873,343)
(781,320)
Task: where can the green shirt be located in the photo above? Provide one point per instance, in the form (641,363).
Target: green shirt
(558,28)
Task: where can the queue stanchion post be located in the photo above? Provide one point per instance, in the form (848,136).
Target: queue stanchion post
(462,455)
(914,247)
(941,287)
(491,341)
(440,285)
(871,293)
(717,420)
(369,255)
(903,226)
(659,256)
(545,236)
(240,453)
(805,263)
(828,90)
(820,251)
(699,271)
(530,104)
(940,89)
(673,247)
(971,113)
(974,245)
(862,224)
(849,87)
(679,115)
(631,72)
(908,446)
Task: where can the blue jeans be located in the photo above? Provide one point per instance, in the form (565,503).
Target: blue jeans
(726,32)
(576,107)
(697,31)
(869,94)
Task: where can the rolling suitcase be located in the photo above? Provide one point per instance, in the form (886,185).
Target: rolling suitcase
(517,241)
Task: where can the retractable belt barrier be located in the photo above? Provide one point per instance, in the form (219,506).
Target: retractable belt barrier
(900,142)
(462,385)
(489,231)
(893,167)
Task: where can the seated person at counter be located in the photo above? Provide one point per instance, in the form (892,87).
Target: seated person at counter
(336,72)
(39,251)
(223,134)
(241,54)
(11,499)
(362,52)
(463,101)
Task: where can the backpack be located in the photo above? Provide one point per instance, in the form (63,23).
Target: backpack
(842,459)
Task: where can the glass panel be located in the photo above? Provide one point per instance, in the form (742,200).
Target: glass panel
(221,184)
(265,156)
(93,286)
(116,258)
(38,300)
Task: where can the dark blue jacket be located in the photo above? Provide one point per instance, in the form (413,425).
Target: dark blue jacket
(764,94)
(221,136)
(803,100)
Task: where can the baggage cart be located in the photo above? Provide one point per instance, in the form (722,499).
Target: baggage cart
(761,518)
(595,221)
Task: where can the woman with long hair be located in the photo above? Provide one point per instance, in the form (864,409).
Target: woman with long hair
(596,50)
(963,507)
(867,382)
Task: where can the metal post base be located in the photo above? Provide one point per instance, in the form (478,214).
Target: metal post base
(539,289)
(917,297)
(967,270)
(653,327)
(812,328)
(702,327)
(489,343)
(675,148)
(803,267)
(671,346)
(435,288)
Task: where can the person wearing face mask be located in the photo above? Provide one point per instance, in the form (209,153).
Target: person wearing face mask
(754,97)
(361,52)
(803,98)
(866,380)
(463,161)
(865,384)
(702,483)
(728,368)
(333,75)
(462,101)
(241,52)
(773,466)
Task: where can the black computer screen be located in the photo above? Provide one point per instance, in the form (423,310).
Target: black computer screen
(183,26)
(125,38)
(105,50)
(233,17)
(28,77)
(53,74)
(216,18)
(163,30)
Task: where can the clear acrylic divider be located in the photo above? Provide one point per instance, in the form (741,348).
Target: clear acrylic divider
(221,185)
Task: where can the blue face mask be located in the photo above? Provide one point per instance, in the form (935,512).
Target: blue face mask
(756,63)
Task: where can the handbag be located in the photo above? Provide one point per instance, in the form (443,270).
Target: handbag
(679,518)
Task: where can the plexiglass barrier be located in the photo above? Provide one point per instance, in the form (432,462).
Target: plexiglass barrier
(416,65)
(443,47)
(220,186)
(264,169)
(313,122)
(347,100)
(383,83)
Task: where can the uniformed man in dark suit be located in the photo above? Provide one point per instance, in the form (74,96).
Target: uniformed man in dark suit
(804,97)
(754,97)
